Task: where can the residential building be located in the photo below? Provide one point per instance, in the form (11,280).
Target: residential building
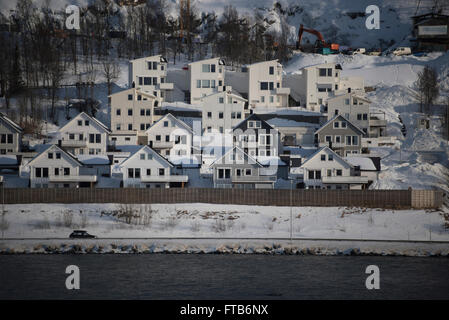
(10,135)
(132,113)
(222,111)
(313,85)
(353,107)
(171,137)
(204,78)
(236,169)
(340,135)
(325,169)
(261,83)
(146,168)
(257,138)
(149,74)
(56,168)
(84,135)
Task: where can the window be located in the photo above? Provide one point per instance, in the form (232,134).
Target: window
(209,115)
(224,173)
(130,96)
(130,126)
(322,72)
(148,112)
(239,115)
(359,116)
(205,83)
(262,99)
(118,112)
(67,171)
(148,172)
(118,126)
(355,140)
(271,99)
(220,115)
(38,172)
(331,157)
(271,71)
(328,138)
(321,89)
(347,101)
(271,86)
(323,157)
(311,175)
(130,112)
(80,122)
(232,115)
(50,155)
(45,172)
(329,172)
(137,173)
(58,155)
(154,81)
(206,68)
(56,171)
(220,100)
(339,172)
(329,72)
(318,175)
(264,86)
(158,138)
(91,138)
(98,138)
(142,126)
(337,139)
(142,112)
(248,172)
(343,124)
(142,156)
(336,124)
(162,172)
(212,83)
(130,173)
(86,123)
(365,116)
(348,140)
(147,81)
(167,138)
(71,136)
(149,156)
(198,83)
(139,97)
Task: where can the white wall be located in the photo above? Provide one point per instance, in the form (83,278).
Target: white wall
(195,73)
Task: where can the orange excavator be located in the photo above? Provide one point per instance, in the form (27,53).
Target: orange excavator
(321,46)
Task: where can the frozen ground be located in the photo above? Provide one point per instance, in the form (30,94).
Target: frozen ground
(230,221)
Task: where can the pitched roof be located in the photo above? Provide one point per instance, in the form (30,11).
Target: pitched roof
(327,149)
(350,94)
(11,123)
(240,150)
(148,148)
(179,122)
(103,126)
(71,156)
(335,117)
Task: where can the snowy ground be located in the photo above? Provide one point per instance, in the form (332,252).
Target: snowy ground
(218,221)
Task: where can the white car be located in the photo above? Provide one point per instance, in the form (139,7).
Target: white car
(359,51)
(400,51)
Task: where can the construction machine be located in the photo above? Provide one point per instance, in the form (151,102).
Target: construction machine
(321,46)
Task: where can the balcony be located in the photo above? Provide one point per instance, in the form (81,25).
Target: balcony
(166,86)
(72,178)
(282,90)
(253,179)
(377,123)
(167,178)
(345,179)
(74,143)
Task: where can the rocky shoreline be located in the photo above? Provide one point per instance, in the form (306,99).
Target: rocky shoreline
(265,249)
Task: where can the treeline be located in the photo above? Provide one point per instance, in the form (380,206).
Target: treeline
(38,51)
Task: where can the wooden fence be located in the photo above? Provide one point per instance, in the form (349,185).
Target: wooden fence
(400,199)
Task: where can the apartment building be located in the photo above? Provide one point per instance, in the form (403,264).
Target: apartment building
(132,113)
(149,74)
(312,86)
(171,137)
(340,135)
(84,135)
(10,135)
(56,168)
(261,83)
(222,111)
(204,78)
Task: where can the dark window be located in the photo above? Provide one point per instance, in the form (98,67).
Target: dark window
(98,138)
(154,81)
(323,157)
(86,122)
(365,116)
(329,72)
(56,171)
(118,112)
(45,172)
(148,172)
(147,81)
(130,173)
(142,126)
(130,96)
(148,112)
(140,81)
(271,70)
(154,65)
(271,86)
(67,171)
(91,138)
(161,172)
(167,138)
(264,86)
(311,175)
(339,172)
(137,173)
(212,68)
(322,72)
(142,112)
(38,172)
(359,116)
(130,126)
(158,138)
(318,175)
(130,112)
(50,155)
(58,155)
(80,122)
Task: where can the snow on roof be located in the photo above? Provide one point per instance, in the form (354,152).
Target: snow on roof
(14,125)
(185,162)
(363,162)
(281,122)
(270,160)
(289,111)
(8,160)
(93,159)
(303,152)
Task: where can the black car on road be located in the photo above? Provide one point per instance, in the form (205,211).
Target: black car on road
(81,234)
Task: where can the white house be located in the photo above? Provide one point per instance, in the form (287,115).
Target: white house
(132,113)
(149,74)
(84,135)
(261,83)
(327,170)
(171,137)
(222,111)
(146,168)
(353,107)
(313,85)
(204,77)
(236,169)
(55,168)
(10,135)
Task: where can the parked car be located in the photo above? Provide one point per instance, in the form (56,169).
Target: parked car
(81,234)
(359,51)
(400,51)
(374,52)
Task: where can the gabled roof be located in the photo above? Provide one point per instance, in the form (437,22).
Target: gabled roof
(325,148)
(220,61)
(54,146)
(160,57)
(147,149)
(10,123)
(134,90)
(233,93)
(171,117)
(245,155)
(83,114)
(261,62)
(254,117)
(349,94)
(335,117)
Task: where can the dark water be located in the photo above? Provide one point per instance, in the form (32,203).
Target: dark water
(158,276)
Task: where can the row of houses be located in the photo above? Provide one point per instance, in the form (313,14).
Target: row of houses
(238,130)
